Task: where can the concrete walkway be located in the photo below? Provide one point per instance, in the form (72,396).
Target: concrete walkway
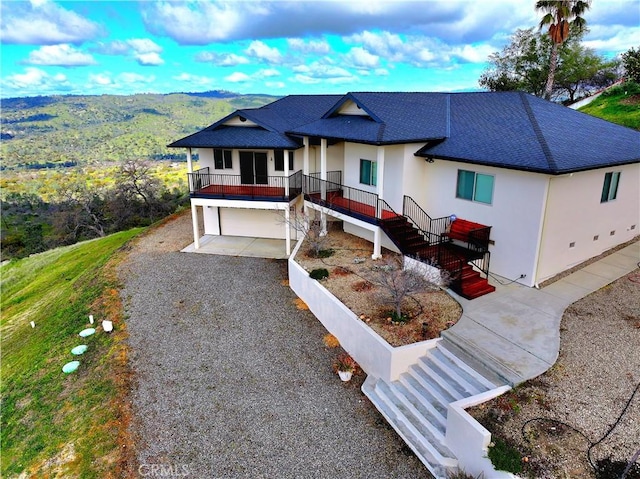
(515,331)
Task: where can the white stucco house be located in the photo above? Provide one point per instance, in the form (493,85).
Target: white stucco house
(505,183)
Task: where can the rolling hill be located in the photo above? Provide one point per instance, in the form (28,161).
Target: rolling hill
(49,131)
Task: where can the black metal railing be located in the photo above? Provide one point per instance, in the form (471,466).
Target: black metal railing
(344,199)
(432,228)
(271,188)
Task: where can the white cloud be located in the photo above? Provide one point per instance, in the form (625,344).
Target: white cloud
(221,59)
(101,79)
(237,77)
(267,73)
(361,58)
(135,78)
(262,51)
(277,84)
(43,23)
(35,81)
(59,55)
(612,40)
(149,59)
(144,45)
(318,47)
(194,80)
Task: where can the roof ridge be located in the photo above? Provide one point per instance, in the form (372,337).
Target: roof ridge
(553,166)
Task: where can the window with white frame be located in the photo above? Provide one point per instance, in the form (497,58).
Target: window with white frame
(610,186)
(368,172)
(474,186)
(222,159)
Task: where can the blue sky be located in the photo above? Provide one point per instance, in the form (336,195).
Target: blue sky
(275,47)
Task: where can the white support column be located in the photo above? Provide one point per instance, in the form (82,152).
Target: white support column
(380,172)
(305,165)
(377,244)
(196,233)
(286,172)
(305,157)
(189,161)
(287,231)
(323,177)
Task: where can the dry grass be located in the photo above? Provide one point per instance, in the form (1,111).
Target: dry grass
(430,312)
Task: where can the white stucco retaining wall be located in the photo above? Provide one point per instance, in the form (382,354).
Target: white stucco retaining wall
(469,440)
(374,354)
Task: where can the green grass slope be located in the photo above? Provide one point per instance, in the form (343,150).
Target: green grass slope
(53,424)
(620,104)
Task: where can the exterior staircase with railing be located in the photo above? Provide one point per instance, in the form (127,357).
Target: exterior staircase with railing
(417,404)
(428,240)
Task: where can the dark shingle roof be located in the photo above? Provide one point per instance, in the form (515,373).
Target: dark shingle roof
(520,131)
(273,119)
(393,118)
(504,129)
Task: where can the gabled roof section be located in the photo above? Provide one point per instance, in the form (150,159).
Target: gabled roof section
(271,122)
(392,118)
(520,131)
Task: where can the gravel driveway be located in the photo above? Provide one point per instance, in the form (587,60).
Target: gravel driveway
(233,381)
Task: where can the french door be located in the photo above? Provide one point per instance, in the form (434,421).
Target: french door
(253,168)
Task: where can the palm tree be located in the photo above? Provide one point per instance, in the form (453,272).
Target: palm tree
(560,15)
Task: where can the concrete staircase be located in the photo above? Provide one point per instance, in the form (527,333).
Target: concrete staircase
(416,404)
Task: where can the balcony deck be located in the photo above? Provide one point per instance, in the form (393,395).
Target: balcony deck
(335,200)
(240,192)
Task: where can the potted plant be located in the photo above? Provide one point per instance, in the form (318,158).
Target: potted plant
(345,366)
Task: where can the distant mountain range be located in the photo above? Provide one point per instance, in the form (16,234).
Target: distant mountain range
(45,131)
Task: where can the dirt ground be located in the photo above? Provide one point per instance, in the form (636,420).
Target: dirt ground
(351,269)
(573,417)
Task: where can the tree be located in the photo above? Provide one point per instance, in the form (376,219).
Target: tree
(631,62)
(559,17)
(523,65)
(399,282)
(581,71)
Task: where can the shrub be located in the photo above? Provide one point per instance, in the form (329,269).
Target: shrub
(505,457)
(325,253)
(319,273)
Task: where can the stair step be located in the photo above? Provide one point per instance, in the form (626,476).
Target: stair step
(433,454)
(462,369)
(428,383)
(424,405)
(440,379)
(487,365)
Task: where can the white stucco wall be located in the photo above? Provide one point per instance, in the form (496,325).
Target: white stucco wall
(515,214)
(575,215)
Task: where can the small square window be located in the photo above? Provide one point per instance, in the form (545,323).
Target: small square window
(475,187)
(596,237)
(278,160)
(368,172)
(222,159)
(610,187)
(633,227)
(612,233)
(572,244)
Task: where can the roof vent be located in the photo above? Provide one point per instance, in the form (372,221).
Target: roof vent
(242,119)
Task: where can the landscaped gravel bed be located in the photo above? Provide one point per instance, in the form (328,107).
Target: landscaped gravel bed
(232,380)
(587,389)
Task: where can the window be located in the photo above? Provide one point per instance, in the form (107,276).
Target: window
(222,159)
(475,187)
(368,172)
(279,160)
(610,187)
